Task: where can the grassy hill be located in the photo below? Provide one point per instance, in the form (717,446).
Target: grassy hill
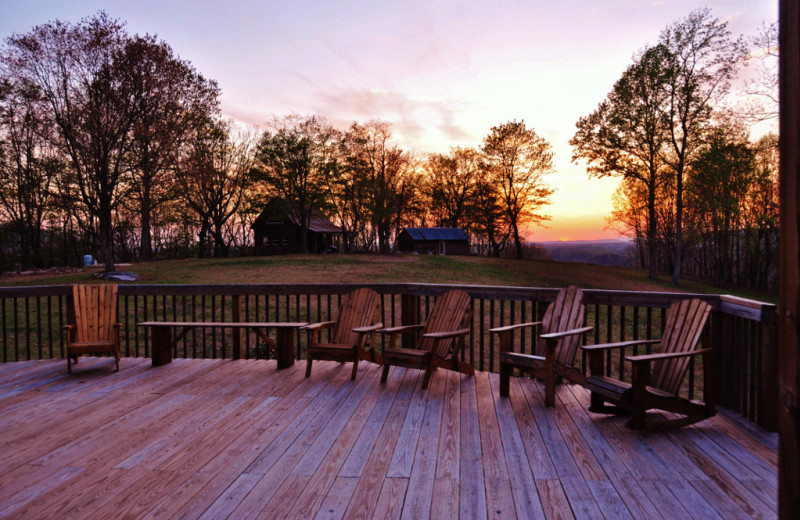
(379,269)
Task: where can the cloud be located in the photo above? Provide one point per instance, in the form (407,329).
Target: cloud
(424,124)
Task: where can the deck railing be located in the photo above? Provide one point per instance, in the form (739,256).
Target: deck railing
(742,332)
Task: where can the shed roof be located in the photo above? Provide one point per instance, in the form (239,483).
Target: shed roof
(437,233)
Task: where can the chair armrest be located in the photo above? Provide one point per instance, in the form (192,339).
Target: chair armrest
(606,346)
(445,335)
(517,326)
(369,328)
(68,327)
(402,328)
(318,326)
(558,335)
(647,358)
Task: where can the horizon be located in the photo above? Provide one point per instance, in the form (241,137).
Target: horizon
(443,74)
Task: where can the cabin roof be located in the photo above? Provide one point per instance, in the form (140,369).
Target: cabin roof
(437,233)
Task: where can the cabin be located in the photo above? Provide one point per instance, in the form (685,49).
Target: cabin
(278,231)
(434,241)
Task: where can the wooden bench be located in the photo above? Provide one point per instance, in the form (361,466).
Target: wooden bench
(164,341)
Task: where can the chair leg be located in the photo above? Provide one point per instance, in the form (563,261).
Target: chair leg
(355,369)
(385,372)
(69,364)
(549,386)
(428,373)
(505,378)
(308,366)
(597,404)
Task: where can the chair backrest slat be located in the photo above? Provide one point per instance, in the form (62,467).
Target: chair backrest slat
(565,313)
(685,322)
(95,311)
(359,308)
(451,311)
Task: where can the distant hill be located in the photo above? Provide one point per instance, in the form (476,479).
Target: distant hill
(613,252)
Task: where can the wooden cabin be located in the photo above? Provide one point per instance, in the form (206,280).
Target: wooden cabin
(434,241)
(278,231)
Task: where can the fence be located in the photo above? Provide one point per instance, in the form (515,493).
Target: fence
(742,332)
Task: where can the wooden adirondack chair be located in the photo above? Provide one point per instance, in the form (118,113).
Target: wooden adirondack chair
(442,338)
(656,378)
(95,330)
(353,333)
(554,356)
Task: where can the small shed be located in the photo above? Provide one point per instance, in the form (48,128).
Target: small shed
(434,241)
(277,231)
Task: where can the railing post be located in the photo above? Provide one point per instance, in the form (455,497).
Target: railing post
(409,315)
(719,339)
(236,315)
(768,402)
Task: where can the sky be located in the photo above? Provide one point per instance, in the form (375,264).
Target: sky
(442,72)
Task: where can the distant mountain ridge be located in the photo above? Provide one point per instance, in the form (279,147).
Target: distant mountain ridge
(612,252)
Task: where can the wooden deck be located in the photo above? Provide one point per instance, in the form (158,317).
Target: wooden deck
(238,439)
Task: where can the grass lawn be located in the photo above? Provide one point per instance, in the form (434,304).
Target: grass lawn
(340,268)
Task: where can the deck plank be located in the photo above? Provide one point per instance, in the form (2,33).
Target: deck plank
(217,438)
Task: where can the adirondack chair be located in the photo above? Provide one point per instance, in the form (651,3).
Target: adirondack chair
(656,378)
(353,333)
(95,330)
(441,338)
(554,354)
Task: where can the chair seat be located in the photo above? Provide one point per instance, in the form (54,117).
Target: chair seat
(331,347)
(90,346)
(522,360)
(614,388)
(405,353)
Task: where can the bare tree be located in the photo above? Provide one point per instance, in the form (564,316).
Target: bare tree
(213,177)
(518,159)
(449,185)
(28,167)
(81,71)
(298,161)
(391,176)
(172,100)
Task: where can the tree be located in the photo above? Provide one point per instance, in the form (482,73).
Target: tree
(488,217)
(761,89)
(450,185)
(627,135)
(390,176)
(721,175)
(28,166)
(171,101)
(213,177)
(518,159)
(81,71)
(702,61)
(298,162)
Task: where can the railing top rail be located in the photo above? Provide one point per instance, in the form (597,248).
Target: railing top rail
(741,307)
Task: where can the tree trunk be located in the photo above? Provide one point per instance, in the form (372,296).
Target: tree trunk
(146,242)
(676,267)
(651,232)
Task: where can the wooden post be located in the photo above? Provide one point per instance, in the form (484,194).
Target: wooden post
(789,306)
(768,404)
(236,316)
(409,315)
(162,346)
